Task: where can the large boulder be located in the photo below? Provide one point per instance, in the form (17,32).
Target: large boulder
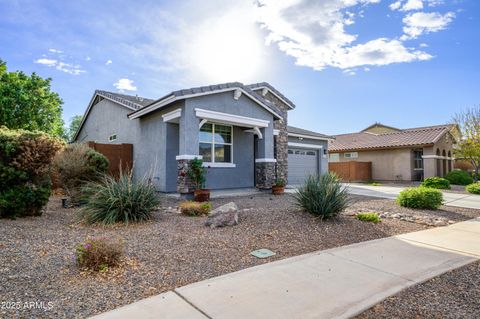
(225,215)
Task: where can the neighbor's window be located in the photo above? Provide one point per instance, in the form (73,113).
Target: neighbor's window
(112,138)
(334,157)
(215,143)
(350,155)
(418,159)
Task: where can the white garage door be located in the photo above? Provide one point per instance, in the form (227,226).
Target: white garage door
(301,163)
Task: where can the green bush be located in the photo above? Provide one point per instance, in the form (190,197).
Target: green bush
(99,254)
(473,188)
(118,200)
(436,182)
(420,197)
(458,177)
(368,217)
(322,196)
(25,159)
(77,165)
(193,208)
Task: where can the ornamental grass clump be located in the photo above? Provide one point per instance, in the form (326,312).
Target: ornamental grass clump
(436,182)
(192,208)
(368,217)
(322,196)
(115,200)
(99,254)
(420,197)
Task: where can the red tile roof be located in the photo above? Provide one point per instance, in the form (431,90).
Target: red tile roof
(404,138)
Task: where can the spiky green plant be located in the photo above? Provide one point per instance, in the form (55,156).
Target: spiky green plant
(322,196)
(119,200)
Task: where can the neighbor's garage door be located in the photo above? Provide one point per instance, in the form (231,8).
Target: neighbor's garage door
(301,163)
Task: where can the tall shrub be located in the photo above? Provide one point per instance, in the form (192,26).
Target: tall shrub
(322,196)
(77,165)
(25,159)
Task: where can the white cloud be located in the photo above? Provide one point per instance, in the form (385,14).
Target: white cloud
(108,62)
(419,23)
(314,33)
(410,5)
(125,84)
(69,68)
(88,58)
(47,62)
(423,45)
(59,64)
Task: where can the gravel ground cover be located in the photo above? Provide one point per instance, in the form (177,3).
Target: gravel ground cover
(170,251)
(455,294)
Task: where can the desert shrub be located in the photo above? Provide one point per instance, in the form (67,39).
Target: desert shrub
(322,196)
(99,254)
(368,217)
(374,183)
(77,165)
(473,188)
(113,200)
(436,182)
(192,208)
(420,197)
(458,177)
(25,160)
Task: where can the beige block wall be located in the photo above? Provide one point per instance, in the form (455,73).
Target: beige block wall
(387,165)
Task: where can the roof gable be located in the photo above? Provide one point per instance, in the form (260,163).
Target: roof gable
(206,90)
(264,85)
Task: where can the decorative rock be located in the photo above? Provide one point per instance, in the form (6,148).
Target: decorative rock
(225,215)
(173,210)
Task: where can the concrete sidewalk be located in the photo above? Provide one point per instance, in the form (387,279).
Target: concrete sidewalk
(391,192)
(335,283)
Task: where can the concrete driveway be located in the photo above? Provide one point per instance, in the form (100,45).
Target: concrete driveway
(391,192)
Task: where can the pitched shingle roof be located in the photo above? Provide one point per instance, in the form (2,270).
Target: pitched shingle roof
(404,138)
(259,85)
(135,102)
(301,131)
(214,88)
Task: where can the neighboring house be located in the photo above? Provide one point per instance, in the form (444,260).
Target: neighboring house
(240,132)
(399,154)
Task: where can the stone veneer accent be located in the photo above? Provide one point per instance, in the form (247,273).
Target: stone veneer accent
(264,174)
(281,140)
(184,184)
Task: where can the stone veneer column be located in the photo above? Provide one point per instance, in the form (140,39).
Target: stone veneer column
(281,146)
(264,174)
(184,183)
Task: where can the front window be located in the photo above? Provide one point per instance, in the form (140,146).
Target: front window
(418,159)
(215,143)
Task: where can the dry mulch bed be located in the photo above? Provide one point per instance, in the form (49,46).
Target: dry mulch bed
(170,251)
(455,294)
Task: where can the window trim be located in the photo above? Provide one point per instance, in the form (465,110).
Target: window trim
(112,138)
(351,155)
(213,163)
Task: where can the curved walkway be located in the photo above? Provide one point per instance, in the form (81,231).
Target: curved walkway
(335,283)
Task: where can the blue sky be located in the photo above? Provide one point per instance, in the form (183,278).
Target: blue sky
(345,63)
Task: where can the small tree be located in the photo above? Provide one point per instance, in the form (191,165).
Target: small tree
(26,102)
(73,127)
(468,147)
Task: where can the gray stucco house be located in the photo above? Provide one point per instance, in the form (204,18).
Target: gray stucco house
(240,131)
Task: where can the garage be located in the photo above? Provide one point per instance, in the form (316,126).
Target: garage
(301,163)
